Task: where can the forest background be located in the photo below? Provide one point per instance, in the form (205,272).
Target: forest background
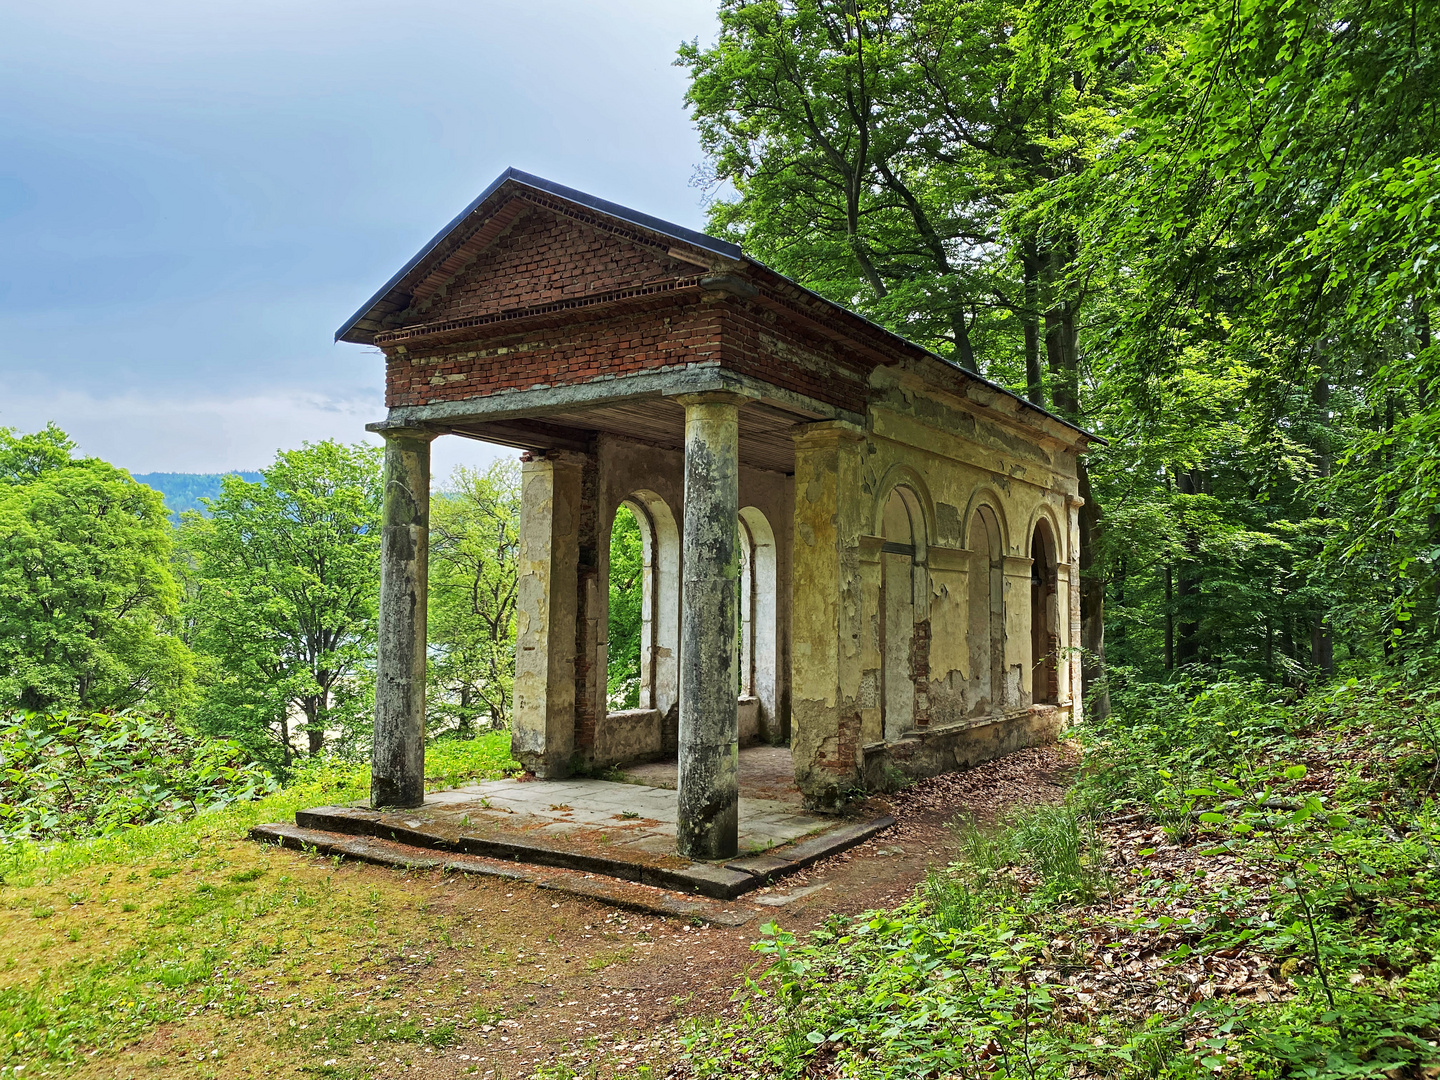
(1207,235)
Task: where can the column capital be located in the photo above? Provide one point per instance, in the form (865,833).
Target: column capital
(713,397)
(827,433)
(387,430)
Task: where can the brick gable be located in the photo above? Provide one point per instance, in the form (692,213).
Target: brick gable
(539,256)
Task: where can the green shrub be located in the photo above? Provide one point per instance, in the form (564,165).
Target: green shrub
(72,775)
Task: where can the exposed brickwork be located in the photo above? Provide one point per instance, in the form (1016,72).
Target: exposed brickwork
(522,313)
(1052,667)
(622,344)
(535,261)
(757,343)
(847,745)
(920,672)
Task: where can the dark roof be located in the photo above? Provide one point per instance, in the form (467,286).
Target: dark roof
(539,183)
(675,232)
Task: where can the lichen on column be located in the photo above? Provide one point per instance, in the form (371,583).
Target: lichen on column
(709,781)
(398,774)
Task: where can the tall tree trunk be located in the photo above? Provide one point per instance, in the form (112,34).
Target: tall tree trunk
(1092,603)
(1396,629)
(1322,641)
(1169,618)
(960,328)
(1060,343)
(1187,588)
(1030,320)
(1121,579)
(1422,394)
(315,712)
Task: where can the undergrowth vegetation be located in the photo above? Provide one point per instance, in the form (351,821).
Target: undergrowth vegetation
(1240,884)
(69,775)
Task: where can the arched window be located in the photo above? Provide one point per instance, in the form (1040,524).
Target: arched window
(643,642)
(758,614)
(1044,616)
(987,613)
(902,532)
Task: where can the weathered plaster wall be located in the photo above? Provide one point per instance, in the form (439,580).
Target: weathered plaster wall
(956,461)
(568,505)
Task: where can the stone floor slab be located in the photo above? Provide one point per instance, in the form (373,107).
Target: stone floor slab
(621,830)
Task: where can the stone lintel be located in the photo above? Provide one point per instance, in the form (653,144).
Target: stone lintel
(542,400)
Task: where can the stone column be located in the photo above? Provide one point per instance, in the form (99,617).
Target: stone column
(542,729)
(709,796)
(398,774)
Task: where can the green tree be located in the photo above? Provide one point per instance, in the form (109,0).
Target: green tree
(284,589)
(474,553)
(1271,209)
(886,155)
(88,602)
(627,598)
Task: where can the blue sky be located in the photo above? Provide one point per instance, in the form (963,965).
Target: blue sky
(193,197)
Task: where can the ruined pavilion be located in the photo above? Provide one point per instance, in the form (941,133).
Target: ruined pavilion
(894,538)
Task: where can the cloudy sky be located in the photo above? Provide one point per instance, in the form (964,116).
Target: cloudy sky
(194,196)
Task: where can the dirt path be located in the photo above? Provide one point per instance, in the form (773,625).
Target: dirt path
(501,980)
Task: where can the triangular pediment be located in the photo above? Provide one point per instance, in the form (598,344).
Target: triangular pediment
(531,256)
(527,242)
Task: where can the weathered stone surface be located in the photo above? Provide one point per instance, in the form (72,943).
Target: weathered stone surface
(709,784)
(542,730)
(621,894)
(550,321)
(398,777)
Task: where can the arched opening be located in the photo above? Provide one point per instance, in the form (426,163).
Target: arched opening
(758,601)
(644,605)
(902,525)
(630,552)
(1044,616)
(987,613)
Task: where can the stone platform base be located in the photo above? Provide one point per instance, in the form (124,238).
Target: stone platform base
(953,747)
(623,831)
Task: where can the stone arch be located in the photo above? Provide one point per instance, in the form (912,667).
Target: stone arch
(922,507)
(903,527)
(759,615)
(660,603)
(985,538)
(1044,612)
(1045,512)
(986,496)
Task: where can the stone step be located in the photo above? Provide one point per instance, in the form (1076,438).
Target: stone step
(627,895)
(717,881)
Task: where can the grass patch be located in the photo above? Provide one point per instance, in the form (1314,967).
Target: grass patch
(602,960)
(191,927)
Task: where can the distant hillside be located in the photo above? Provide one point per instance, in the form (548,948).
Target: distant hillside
(183,491)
